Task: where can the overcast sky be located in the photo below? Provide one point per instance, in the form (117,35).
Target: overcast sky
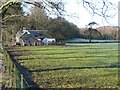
(83,17)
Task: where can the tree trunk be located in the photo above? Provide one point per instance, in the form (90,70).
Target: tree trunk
(90,35)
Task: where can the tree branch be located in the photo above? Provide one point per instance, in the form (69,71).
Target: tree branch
(100,8)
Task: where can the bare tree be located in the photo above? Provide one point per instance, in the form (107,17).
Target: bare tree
(56,7)
(91,29)
(96,7)
(101,8)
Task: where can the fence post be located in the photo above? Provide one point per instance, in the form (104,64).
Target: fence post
(11,73)
(16,77)
(22,83)
(8,65)
(19,81)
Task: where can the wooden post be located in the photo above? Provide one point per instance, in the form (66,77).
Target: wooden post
(8,65)
(11,73)
(16,77)
(22,83)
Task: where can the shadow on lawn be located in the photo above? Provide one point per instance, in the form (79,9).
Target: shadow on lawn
(44,53)
(74,57)
(84,67)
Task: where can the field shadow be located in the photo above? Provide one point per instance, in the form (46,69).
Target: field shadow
(52,53)
(83,67)
(51,57)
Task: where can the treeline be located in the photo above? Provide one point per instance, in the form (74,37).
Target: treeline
(37,19)
(107,33)
(58,28)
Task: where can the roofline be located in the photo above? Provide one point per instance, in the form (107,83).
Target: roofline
(37,30)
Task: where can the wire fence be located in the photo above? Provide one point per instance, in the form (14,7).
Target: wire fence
(17,75)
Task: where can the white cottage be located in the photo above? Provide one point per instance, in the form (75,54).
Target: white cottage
(33,37)
(25,37)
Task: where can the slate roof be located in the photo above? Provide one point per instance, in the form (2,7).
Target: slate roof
(32,33)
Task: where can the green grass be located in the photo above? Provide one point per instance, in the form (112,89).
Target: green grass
(60,66)
(76,78)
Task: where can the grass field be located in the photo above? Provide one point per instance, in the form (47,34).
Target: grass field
(72,66)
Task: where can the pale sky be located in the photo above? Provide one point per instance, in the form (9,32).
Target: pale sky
(81,17)
(84,17)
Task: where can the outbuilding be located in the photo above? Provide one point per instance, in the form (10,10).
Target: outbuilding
(49,41)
